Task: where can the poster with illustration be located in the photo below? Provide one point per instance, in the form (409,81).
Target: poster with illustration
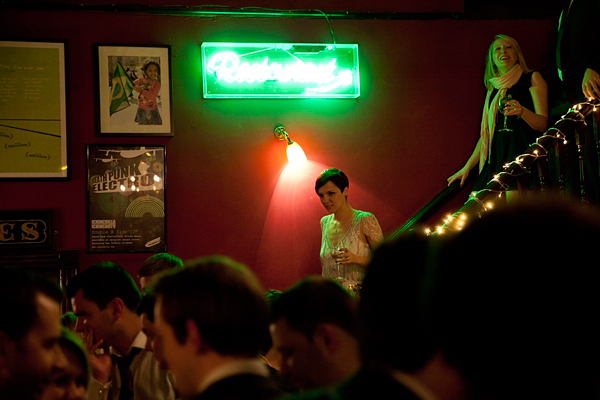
(33,116)
(135,90)
(126,199)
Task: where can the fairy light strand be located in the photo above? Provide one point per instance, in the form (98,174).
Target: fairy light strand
(482,200)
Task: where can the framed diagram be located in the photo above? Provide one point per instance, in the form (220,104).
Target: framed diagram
(134,88)
(126,199)
(33,116)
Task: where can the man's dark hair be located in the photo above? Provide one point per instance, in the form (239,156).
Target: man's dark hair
(103,282)
(516,299)
(313,301)
(18,290)
(223,298)
(159,262)
(394,329)
(146,306)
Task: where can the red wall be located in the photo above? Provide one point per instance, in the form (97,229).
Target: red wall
(415,123)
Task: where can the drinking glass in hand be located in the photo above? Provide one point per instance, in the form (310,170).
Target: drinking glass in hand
(502,103)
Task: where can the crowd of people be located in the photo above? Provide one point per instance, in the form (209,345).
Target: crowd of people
(504,309)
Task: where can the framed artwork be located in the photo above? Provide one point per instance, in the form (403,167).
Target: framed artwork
(134,88)
(33,116)
(126,210)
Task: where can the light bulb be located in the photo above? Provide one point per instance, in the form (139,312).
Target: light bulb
(295,154)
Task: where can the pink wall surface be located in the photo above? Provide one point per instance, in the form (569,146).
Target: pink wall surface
(228,191)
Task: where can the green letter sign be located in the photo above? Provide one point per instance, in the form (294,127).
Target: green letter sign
(280,70)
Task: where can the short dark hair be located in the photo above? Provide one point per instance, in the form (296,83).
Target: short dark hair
(146,306)
(159,262)
(313,301)
(394,328)
(333,175)
(18,308)
(103,282)
(271,296)
(516,299)
(223,298)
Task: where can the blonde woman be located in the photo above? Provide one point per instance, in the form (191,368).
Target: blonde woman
(525,95)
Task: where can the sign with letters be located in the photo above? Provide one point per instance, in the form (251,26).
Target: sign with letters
(26,230)
(280,70)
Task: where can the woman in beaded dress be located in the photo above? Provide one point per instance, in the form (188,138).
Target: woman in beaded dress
(348,236)
(506,73)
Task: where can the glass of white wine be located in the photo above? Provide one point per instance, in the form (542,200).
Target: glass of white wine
(502,104)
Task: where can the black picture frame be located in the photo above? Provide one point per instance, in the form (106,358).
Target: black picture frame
(126,203)
(134,101)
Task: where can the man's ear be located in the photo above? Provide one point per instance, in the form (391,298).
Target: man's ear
(8,351)
(4,343)
(194,337)
(327,337)
(116,308)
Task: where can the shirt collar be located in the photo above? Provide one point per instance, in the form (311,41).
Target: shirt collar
(247,366)
(414,385)
(139,342)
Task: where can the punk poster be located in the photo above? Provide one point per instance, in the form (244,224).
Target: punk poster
(126,199)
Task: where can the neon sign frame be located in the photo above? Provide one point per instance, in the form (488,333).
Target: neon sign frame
(280,70)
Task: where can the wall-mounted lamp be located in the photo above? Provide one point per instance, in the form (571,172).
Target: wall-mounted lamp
(295,154)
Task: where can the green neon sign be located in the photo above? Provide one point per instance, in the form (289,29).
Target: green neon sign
(280,70)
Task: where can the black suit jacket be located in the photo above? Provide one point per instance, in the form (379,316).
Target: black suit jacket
(242,387)
(577,45)
(366,384)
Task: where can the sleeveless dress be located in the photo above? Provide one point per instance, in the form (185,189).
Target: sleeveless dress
(506,146)
(349,275)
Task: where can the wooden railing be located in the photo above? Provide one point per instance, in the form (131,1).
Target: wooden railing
(479,201)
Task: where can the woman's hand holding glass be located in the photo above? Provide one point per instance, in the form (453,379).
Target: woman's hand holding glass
(505,105)
(343,256)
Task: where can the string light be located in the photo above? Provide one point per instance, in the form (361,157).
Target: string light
(479,202)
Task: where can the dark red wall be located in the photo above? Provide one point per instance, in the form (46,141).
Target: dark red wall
(415,123)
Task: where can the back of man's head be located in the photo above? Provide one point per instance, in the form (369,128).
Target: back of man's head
(158,263)
(103,282)
(394,331)
(516,299)
(18,291)
(223,298)
(313,301)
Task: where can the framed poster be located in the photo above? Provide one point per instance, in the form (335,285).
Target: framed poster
(134,87)
(33,116)
(126,199)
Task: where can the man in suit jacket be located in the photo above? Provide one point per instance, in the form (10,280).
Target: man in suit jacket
(578,64)
(314,327)
(516,315)
(29,333)
(104,298)
(578,58)
(400,360)
(211,319)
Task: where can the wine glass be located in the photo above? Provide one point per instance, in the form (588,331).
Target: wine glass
(502,103)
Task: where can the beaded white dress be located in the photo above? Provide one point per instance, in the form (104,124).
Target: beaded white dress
(349,275)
